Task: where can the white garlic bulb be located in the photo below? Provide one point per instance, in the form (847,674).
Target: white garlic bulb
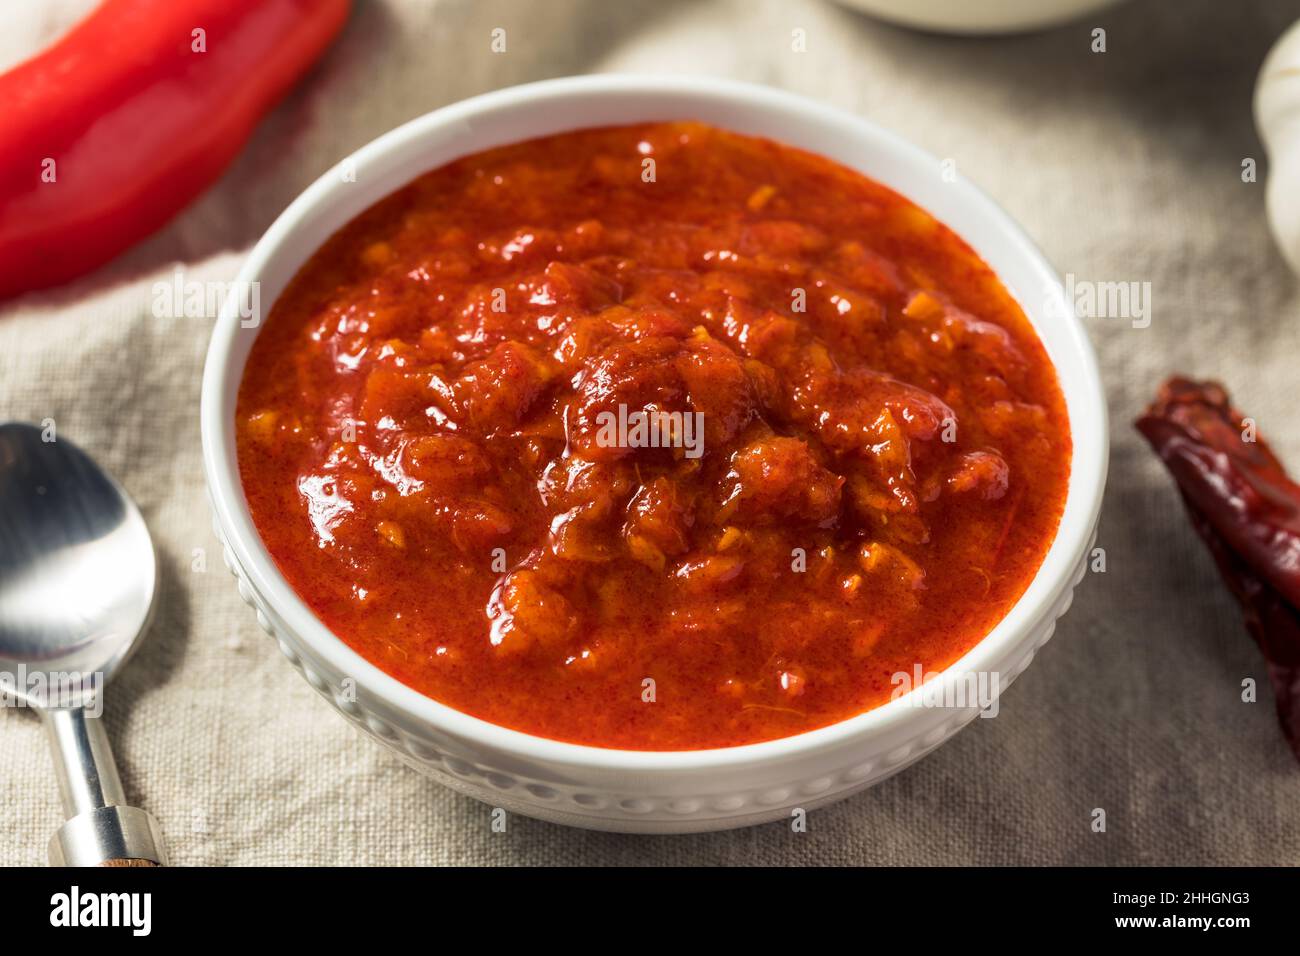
(1277,117)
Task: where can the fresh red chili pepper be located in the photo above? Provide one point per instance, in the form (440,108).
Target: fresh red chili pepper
(111,131)
(1247,511)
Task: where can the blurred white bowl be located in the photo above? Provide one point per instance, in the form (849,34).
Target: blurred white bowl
(979,16)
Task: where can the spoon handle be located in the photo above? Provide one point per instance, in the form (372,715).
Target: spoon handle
(101,829)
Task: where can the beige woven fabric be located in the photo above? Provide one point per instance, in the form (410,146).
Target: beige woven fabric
(1123,165)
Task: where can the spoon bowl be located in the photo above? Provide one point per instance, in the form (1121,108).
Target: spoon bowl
(70,536)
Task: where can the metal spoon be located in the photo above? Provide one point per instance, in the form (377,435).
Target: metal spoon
(77,583)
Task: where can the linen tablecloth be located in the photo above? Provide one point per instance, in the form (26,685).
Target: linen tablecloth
(1123,165)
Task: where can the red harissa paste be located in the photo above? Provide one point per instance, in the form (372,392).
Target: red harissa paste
(859,456)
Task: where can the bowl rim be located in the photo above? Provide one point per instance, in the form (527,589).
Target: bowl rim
(1089,437)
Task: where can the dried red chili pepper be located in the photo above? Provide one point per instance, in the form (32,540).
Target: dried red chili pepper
(1271,620)
(1247,511)
(111,131)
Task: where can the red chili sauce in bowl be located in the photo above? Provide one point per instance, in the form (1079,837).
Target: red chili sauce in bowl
(656,437)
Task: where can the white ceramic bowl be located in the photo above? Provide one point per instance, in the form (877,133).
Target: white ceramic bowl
(620,789)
